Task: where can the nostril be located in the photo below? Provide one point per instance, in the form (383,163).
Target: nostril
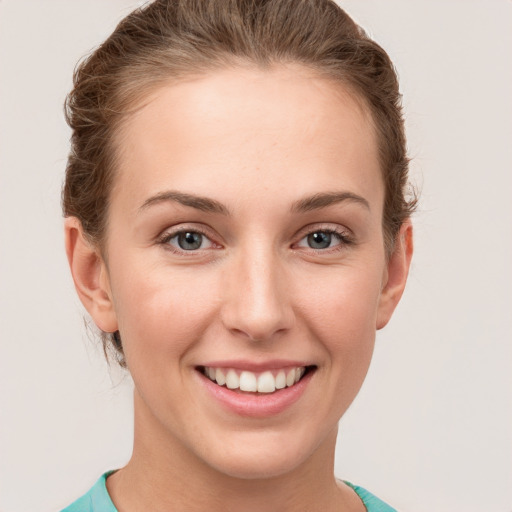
(261,332)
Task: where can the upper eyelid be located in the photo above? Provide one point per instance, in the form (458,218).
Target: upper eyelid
(184,227)
(168,234)
(332,228)
(345,236)
(212,235)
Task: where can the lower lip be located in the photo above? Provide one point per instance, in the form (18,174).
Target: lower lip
(257,405)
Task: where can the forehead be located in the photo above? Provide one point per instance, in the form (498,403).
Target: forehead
(281,127)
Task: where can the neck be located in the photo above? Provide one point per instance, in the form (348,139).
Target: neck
(163,474)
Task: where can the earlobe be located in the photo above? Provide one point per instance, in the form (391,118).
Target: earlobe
(397,270)
(90,276)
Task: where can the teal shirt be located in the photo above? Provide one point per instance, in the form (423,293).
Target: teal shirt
(98,499)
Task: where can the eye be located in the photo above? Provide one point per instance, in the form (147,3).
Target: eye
(324,239)
(319,240)
(188,241)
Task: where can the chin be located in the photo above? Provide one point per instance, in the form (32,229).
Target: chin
(250,468)
(259,458)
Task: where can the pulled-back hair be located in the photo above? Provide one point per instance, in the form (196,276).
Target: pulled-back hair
(168,40)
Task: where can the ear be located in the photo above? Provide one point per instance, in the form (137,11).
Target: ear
(90,276)
(395,276)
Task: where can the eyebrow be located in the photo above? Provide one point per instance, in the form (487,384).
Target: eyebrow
(322,200)
(204,204)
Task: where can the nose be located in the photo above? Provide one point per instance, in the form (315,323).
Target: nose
(256,303)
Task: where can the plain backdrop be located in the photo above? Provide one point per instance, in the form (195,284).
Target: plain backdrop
(432,427)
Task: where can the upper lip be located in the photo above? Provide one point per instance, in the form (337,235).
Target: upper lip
(260,366)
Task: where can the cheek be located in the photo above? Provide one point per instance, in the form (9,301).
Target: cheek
(341,311)
(161,313)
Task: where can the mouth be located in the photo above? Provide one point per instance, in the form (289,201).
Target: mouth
(265,382)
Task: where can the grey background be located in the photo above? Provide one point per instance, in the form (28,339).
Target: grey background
(432,427)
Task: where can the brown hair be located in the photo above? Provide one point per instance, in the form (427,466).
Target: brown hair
(172,39)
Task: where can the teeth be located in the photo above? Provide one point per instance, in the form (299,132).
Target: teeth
(220,377)
(290,378)
(266,382)
(281,380)
(248,382)
(232,380)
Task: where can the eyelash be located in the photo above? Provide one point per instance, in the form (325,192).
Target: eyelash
(166,237)
(343,236)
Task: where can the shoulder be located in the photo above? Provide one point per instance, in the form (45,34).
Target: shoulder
(96,500)
(370,501)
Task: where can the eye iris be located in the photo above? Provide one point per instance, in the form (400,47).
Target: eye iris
(189,241)
(319,240)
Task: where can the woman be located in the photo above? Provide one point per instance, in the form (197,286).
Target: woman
(237,228)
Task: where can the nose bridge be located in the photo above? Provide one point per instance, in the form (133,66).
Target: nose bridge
(257,304)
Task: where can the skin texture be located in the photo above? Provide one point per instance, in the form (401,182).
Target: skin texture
(257,142)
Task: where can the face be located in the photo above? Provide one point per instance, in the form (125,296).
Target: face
(245,246)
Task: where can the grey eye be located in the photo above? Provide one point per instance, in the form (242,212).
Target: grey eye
(189,240)
(319,240)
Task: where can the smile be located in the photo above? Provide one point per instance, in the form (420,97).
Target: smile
(267,381)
